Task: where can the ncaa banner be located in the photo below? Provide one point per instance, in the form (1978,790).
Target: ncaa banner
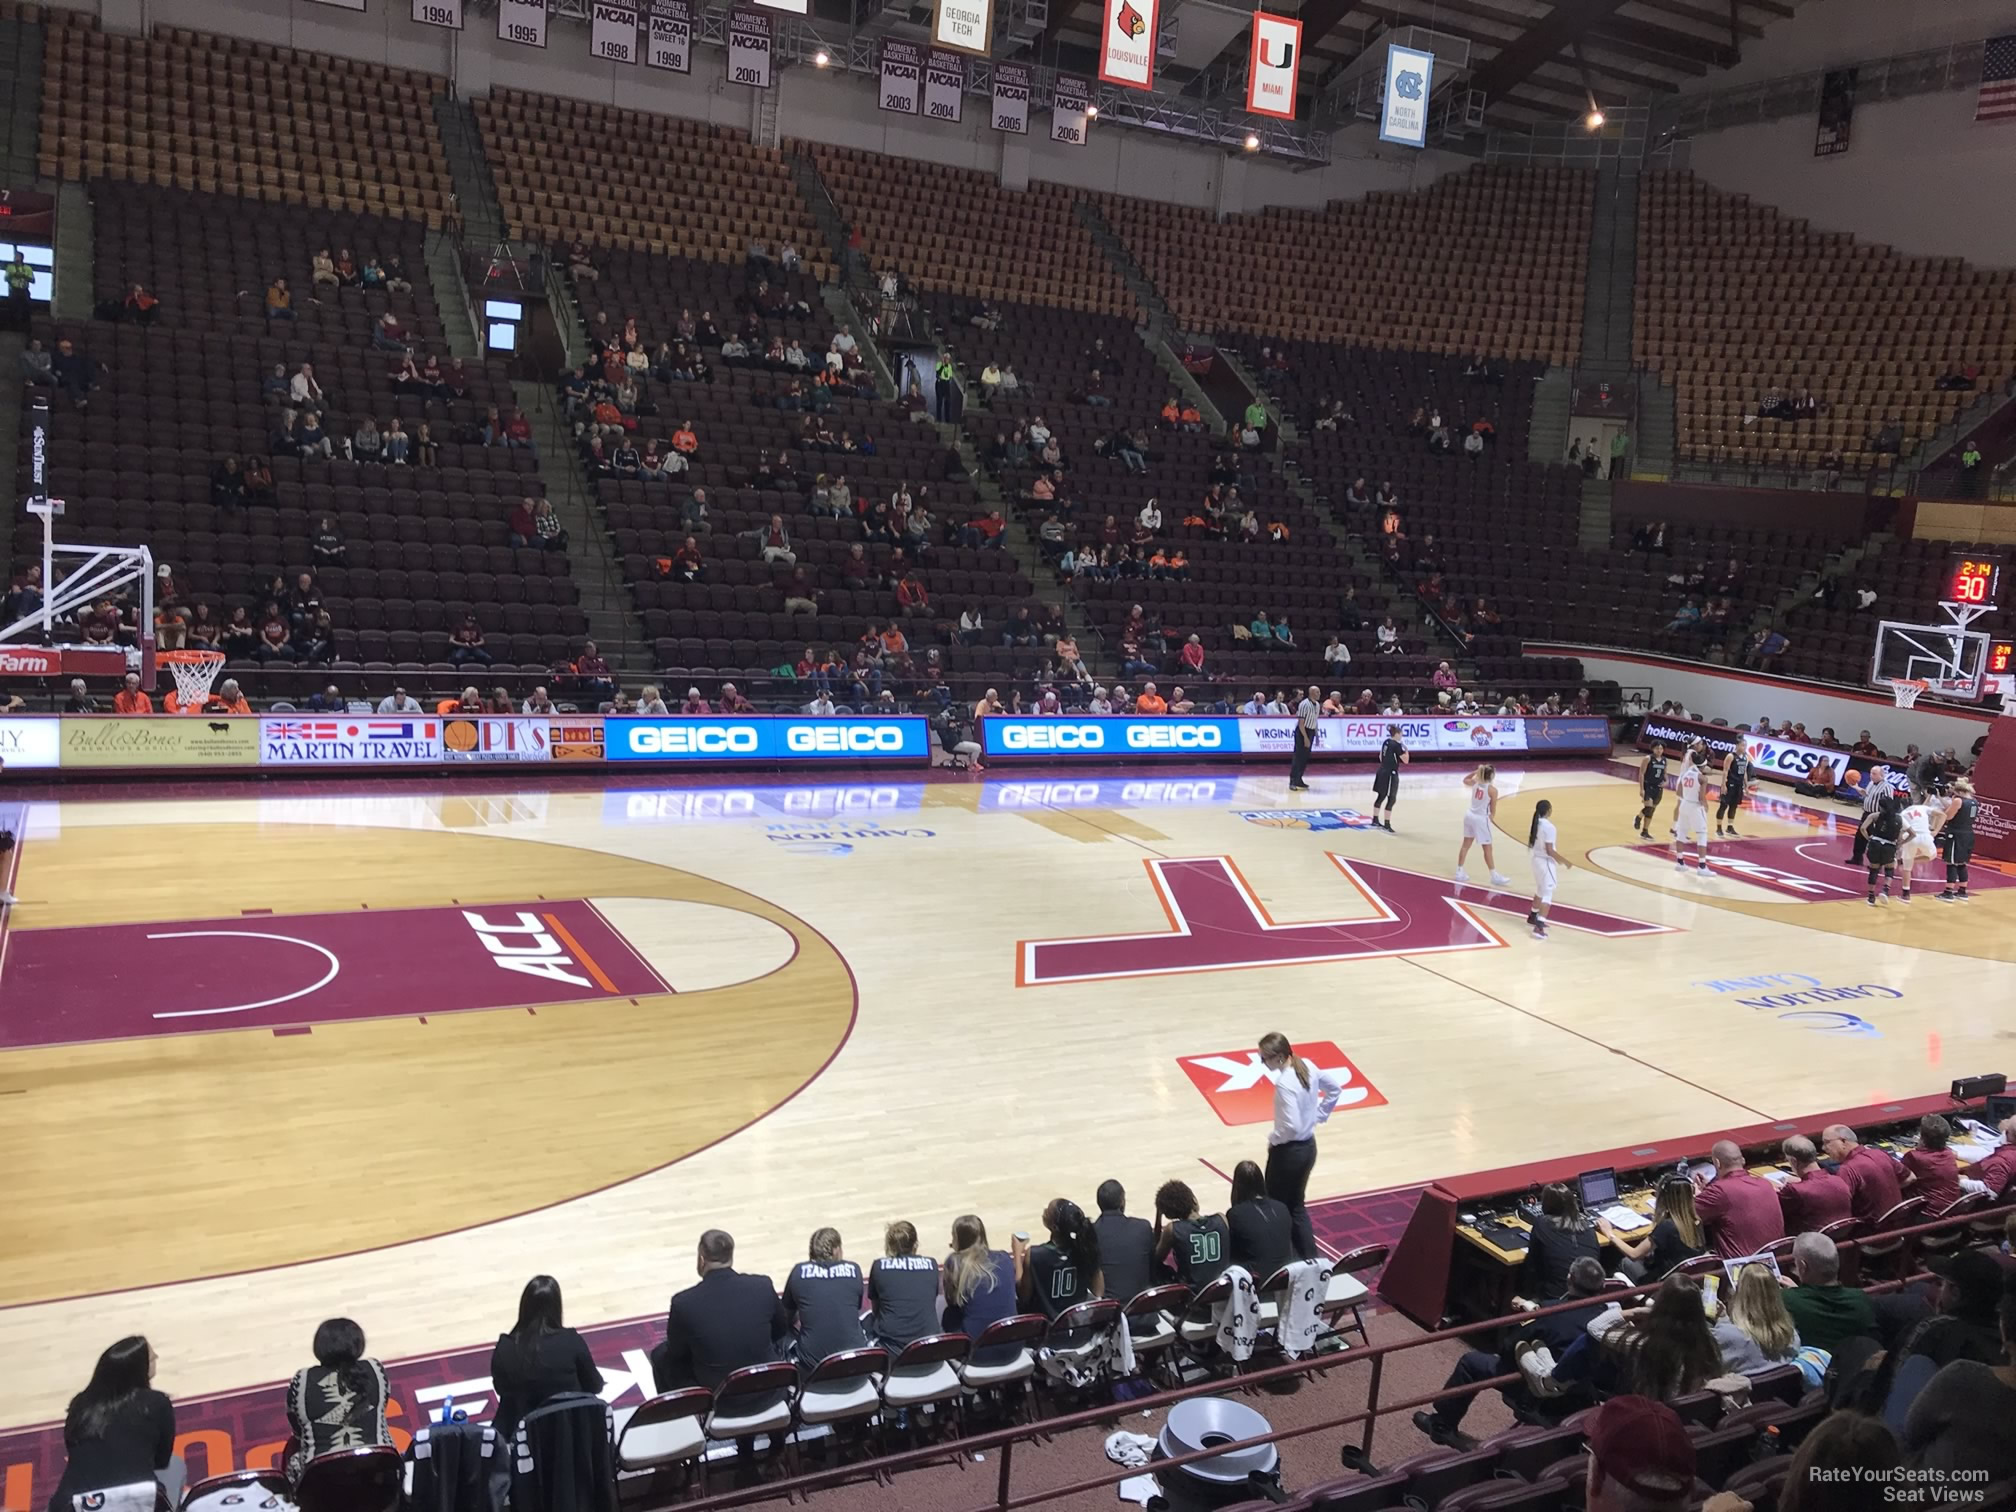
(522,21)
(1403,111)
(902,70)
(749,49)
(612,32)
(944,86)
(1127,45)
(964,26)
(1011,98)
(1070,102)
(446,14)
(355,5)
(1273,54)
(795,7)
(669,41)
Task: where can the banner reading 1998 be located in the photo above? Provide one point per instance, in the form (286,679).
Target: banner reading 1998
(612,32)
(446,14)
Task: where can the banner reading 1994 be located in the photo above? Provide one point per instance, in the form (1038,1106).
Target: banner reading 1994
(446,14)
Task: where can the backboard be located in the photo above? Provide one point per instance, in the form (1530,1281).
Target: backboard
(1951,661)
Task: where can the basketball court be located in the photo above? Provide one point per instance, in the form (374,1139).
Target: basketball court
(274,1053)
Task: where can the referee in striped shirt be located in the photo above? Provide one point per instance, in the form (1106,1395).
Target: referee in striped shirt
(1307,715)
(1875,788)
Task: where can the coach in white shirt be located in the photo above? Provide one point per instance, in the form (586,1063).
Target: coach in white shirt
(1303,1098)
(399,701)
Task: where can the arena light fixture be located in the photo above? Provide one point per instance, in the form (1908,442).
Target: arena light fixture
(1594,120)
(1252,141)
(1091,112)
(821,58)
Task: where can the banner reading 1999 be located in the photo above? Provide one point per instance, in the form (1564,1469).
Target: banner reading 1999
(1123,738)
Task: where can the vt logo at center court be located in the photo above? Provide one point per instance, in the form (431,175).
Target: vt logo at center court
(1241,1090)
(1216,924)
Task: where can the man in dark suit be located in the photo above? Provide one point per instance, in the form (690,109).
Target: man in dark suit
(1126,1245)
(727,1321)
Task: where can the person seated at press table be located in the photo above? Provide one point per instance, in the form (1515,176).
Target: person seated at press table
(1676,1234)
(1561,1235)
(1126,1245)
(903,1288)
(1827,1313)
(726,1321)
(1263,1234)
(329,701)
(1930,1171)
(1741,1210)
(1875,1184)
(118,1431)
(1815,1196)
(822,1298)
(1997,1171)
(338,1402)
(130,699)
(1556,1331)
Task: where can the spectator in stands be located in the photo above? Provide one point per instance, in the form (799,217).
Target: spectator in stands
(140,307)
(395,446)
(388,334)
(1827,1313)
(1662,1350)
(1560,1236)
(1874,1181)
(310,439)
(130,699)
(322,269)
(773,541)
(1676,1235)
(1848,1463)
(274,637)
(304,391)
(279,301)
(985,533)
(465,644)
(314,637)
(36,364)
(1150,701)
(366,443)
(118,1431)
(1930,1171)
(732,701)
(80,700)
(822,1299)
(1641,1459)
(1262,1233)
(911,599)
(1740,1209)
(1815,1196)
(1754,1331)
(1959,1423)
(1557,1332)
(74,372)
(399,701)
(650,701)
(228,698)
(340,1401)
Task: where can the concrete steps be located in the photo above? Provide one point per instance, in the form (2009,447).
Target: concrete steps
(1160,323)
(12,345)
(451,295)
(469,171)
(1547,434)
(1593,528)
(75,241)
(1656,444)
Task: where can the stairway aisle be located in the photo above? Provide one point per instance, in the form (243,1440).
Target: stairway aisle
(469,171)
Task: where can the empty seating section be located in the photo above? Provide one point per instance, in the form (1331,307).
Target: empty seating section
(191,111)
(1735,299)
(1838,644)
(650,183)
(1488,260)
(957,230)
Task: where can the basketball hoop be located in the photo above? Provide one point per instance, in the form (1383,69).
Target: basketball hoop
(1906,690)
(195,672)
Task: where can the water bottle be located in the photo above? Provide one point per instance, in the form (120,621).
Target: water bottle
(448,1410)
(1770,1443)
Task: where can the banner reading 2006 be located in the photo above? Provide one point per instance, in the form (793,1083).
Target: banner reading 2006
(749,49)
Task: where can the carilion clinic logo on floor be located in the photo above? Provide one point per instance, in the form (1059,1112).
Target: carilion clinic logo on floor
(774,738)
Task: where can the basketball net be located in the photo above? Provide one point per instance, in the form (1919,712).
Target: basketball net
(194,672)
(1906,690)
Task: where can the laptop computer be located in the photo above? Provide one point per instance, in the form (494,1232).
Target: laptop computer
(1599,1188)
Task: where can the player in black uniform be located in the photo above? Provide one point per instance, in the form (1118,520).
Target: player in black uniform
(1652,787)
(1196,1248)
(1386,786)
(1877,838)
(1956,839)
(1735,778)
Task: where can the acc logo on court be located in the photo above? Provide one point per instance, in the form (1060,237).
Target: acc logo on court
(1241,1090)
(1307,819)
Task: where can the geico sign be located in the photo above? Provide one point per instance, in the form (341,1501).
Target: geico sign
(1060,737)
(832,739)
(1174,737)
(694,740)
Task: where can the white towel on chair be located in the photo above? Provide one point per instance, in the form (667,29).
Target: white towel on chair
(1302,1308)
(1111,1355)
(1237,1318)
(141,1496)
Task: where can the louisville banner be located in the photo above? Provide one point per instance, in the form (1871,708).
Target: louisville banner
(443,13)
(612,32)
(1069,102)
(749,49)
(964,25)
(1011,98)
(902,76)
(669,42)
(1274,53)
(944,86)
(1127,44)
(522,21)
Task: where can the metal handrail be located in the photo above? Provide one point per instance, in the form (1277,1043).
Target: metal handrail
(1005,1439)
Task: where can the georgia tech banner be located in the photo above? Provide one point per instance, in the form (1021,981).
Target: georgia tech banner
(1273,56)
(964,25)
(1127,43)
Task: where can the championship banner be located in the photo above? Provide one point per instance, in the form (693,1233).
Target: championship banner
(446,14)
(1837,112)
(1403,110)
(902,68)
(1011,98)
(1070,100)
(964,26)
(944,86)
(612,32)
(795,7)
(522,21)
(749,49)
(1127,45)
(353,5)
(1272,58)
(669,42)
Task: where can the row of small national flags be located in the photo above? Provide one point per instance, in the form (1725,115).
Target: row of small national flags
(1997,101)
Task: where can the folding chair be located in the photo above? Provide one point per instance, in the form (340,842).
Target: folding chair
(755,1401)
(665,1431)
(352,1480)
(240,1491)
(1151,1319)
(843,1388)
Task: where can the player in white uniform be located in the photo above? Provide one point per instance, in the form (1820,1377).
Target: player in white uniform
(1916,844)
(1693,820)
(1477,824)
(1548,864)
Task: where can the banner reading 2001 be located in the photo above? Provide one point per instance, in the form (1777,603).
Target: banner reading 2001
(749,49)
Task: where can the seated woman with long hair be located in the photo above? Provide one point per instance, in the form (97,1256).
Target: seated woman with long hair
(1662,1351)
(339,1401)
(1754,1331)
(981,1284)
(540,1357)
(1676,1235)
(119,1433)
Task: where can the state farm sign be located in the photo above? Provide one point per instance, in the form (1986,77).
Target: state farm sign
(30,661)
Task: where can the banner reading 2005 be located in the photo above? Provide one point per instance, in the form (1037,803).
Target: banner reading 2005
(1011,98)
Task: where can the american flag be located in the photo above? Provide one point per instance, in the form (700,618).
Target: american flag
(1998,81)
